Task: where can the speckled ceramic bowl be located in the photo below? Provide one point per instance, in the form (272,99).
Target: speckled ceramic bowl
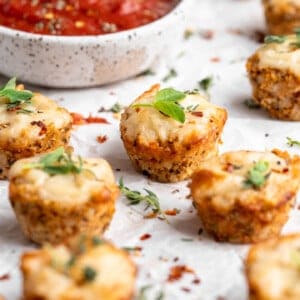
(60,61)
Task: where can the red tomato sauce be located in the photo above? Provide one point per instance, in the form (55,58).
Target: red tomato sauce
(81,17)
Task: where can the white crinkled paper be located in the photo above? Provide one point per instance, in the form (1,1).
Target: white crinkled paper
(219,266)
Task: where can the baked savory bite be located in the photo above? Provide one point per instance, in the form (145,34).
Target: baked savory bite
(167,133)
(282,16)
(274,72)
(244,196)
(272,269)
(30,123)
(84,269)
(57,196)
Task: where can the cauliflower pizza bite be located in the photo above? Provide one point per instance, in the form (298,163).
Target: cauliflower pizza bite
(245,196)
(30,123)
(272,269)
(167,133)
(84,269)
(274,72)
(56,196)
(282,16)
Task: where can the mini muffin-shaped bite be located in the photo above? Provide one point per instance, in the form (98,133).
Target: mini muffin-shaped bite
(57,196)
(274,72)
(30,123)
(245,196)
(167,133)
(87,268)
(272,269)
(282,16)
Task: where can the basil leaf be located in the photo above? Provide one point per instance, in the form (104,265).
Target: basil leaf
(53,157)
(16,96)
(171,109)
(169,94)
(11,84)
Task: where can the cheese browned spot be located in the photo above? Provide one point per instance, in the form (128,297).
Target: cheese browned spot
(86,269)
(51,208)
(273,269)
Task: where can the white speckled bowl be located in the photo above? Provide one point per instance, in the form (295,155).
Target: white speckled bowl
(63,61)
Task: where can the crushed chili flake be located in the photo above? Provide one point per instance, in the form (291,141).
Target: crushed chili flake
(172,212)
(151,215)
(207,34)
(79,119)
(102,139)
(215,59)
(197,113)
(186,289)
(145,236)
(176,272)
(41,124)
(5,277)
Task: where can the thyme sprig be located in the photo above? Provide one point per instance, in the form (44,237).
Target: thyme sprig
(135,197)
(57,162)
(291,142)
(15,98)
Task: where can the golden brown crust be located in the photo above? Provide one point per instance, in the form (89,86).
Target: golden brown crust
(257,258)
(281,19)
(232,213)
(172,160)
(23,147)
(275,90)
(54,222)
(43,269)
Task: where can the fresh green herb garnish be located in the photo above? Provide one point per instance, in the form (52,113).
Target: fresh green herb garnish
(15,98)
(166,102)
(160,296)
(292,142)
(57,162)
(206,83)
(116,108)
(89,274)
(142,292)
(191,108)
(147,72)
(188,33)
(192,92)
(135,197)
(97,241)
(172,73)
(258,174)
(279,39)
(251,104)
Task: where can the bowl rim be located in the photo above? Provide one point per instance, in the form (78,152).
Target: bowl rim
(82,39)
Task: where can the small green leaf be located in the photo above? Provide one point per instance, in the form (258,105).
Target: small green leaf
(169,94)
(11,84)
(291,142)
(279,39)
(206,83)
(53,157)
(257,175)
(171,110)
(89,274)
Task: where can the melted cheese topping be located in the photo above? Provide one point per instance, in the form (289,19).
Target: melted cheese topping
(67,187)
(114,273)
(282,56)
(151,126)
(276,269)
(12,123)
(230,173)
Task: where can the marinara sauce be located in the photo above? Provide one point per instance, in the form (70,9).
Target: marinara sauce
(81,17)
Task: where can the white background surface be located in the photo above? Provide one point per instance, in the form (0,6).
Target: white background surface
(219,266)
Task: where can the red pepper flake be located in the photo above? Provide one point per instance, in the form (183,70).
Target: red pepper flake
(172,212)
(229,168)
(186,289)
(79,119)
(197,113)
(215,59)
(5,277)
(145,236)
(43,127)
(176,272)
(196,281)
(207,34)
(102,139)
(285,170)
